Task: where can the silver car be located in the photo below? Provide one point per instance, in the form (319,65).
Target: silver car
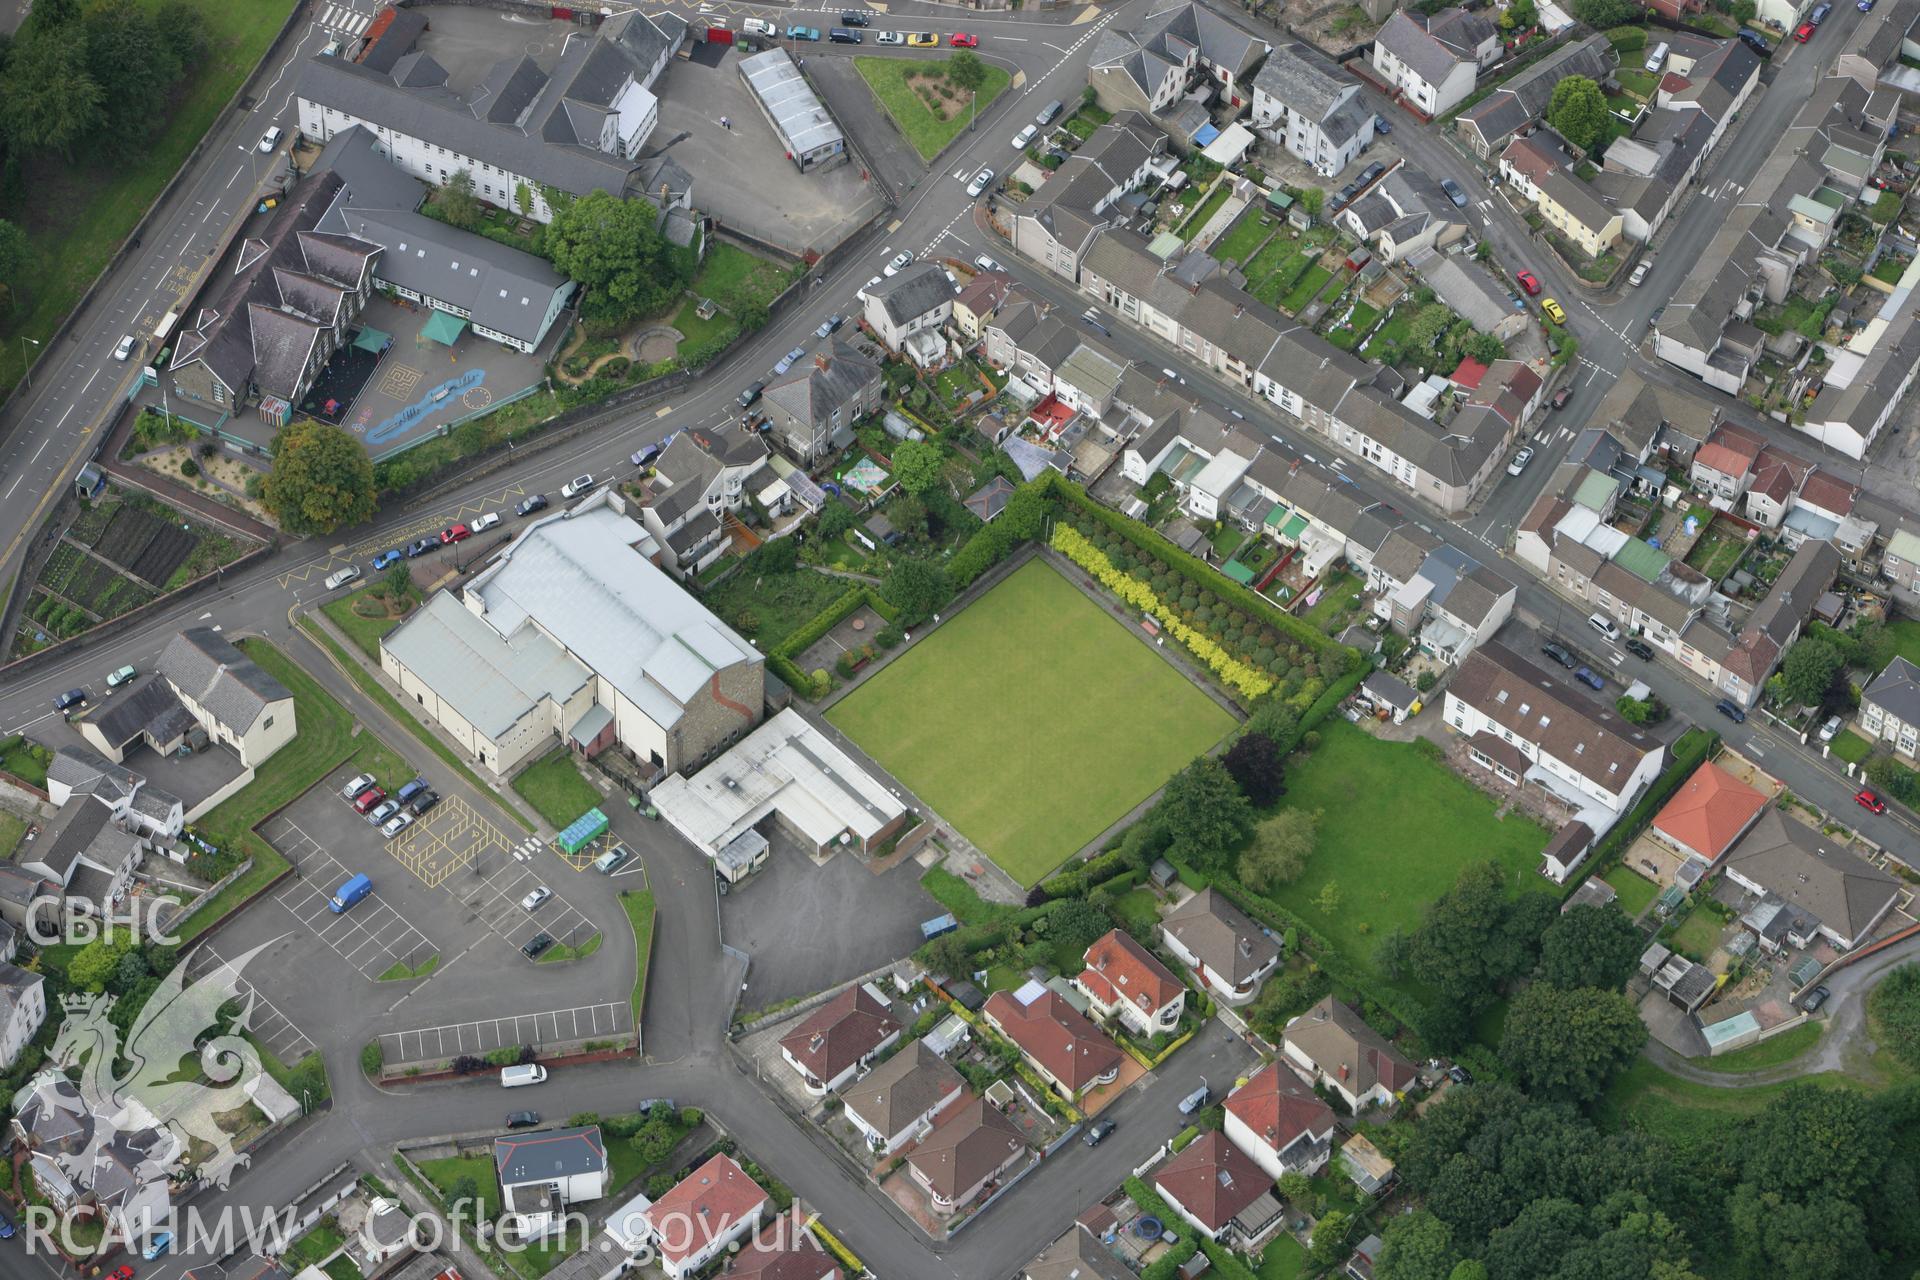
(981,181)
(396,824)
(534,900)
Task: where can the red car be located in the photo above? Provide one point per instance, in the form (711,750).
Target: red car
(121,1272)
(454,533)
(1804,33)
(368,799)
(1869,801)
(1527,282)
(1561,397)
(961,40)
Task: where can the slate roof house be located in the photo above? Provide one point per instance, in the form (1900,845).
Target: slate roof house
(1336,1046)
(231,695)
(1220,1190)
(1146,67)
(973,1145)
(906,311)
(23,1007)
(703,474)
(839,1038)
(1308,104)
(1518,102)
(579,128)
(1077,1255)
(902,1098)
(544,1171)
(814,405)
(1222,944)
(1281,1124)
(1434,60)
(1890,707)
(1057,224)
(1838,894)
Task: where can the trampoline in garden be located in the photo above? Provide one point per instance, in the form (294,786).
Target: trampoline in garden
(341,381)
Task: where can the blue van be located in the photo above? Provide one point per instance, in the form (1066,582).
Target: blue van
(349,893)
(411,790)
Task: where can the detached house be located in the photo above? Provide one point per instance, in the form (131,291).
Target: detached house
(1147,66)
(1335,1046)
(1220,1190)
(702,476)
(1708,814)
(839,1038)
(1281,1124)
(1123,980)
(705,1212)
(899,1100)
(1058,1041)
(906,312)
(1434,60)
(231,695)
(1222,944)
(543,1172)
(973,1146)
(1306,103)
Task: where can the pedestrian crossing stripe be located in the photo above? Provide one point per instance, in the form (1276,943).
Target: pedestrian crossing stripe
(344,20)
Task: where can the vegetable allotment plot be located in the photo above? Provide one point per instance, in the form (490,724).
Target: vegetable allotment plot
(1031,721)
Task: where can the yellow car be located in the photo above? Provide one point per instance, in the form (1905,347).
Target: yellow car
(1554,313)
(922,40)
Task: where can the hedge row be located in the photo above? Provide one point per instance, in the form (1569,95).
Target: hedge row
(1134,853)
(1168,1264)
(781,659)
(1693,748)
(1201,574)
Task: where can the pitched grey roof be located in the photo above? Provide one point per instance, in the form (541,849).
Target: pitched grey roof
(205,667)
(1585,736)
(1221,936)
(901,1089)
(1524,98)
(1793,862)
(1406,38)
(1076,1256)
(919,288)
(811,394)
(1896,691)
(90,773)
(548,1155)
(1303,78)
(153,709)
(85,823)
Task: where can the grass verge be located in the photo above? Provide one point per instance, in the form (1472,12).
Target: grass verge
(889,78)
(401,972)
(639,906)
(556,789)
(1782,1048)
(561,951)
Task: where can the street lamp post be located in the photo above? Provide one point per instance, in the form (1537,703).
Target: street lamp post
(973,98)
(24,340)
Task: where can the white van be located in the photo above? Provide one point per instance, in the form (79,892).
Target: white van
(759,27)
(528,1073)
(1604,625)
(1657,59)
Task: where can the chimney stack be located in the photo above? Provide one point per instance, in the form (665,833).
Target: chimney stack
(821,361)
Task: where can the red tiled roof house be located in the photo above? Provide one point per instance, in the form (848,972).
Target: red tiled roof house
(1058,1040)
(1709,813)
(839,1038)
(705,1212)
(1221,1191)
(1123,980)
(1280,1123)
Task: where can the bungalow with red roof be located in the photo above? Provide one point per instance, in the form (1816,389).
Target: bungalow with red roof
(1058,1041)
(839,1038)
(1123,980)
(1709,813)
(1221,1191)
(1336,1047)
(975,1144)
(705,1212)
(1280,1123)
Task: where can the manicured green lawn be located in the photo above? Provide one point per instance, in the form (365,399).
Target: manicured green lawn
(76,215)
(27,761)
(364,632)
(307,1251)
(1304,292)
(1283,1259)
(1336,597)
(445,1174)
(1395,829)
(1638,83)
(638,904)
(1245,236)
(556,788)
(959,898)
(1699,935)
(1031,721)
(1138,906)
(1851,747)
(1636,891)
(928,133)
(736,278)
(1784,1047)
(1906,638)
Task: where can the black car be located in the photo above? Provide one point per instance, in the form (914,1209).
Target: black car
(751,394)
(538,943)
(420,546)
(1815,998)
(522,1119)
(1459,1075)
(1639,649)
(71,698)
(855,18)
(1097,1132)
(1371,172)
(1726,708)
(1559,654)
(532,503)
(1753,41)
(423,802)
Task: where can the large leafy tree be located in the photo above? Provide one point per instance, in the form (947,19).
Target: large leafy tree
(1207,815)
(1578,110)
(1255,762)
(49,99)
(1472,940)
(457,202)
(1280,849)
(1568,1044)
(1809,671)
(917,589)
(609,245)
(1895,1007)
(916,465)
(128,53)
(321,479)
(1589,946)
(1416,1246)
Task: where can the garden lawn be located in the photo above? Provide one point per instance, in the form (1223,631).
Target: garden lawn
(1782,1048)
(737,279)
(1283,1259)
(364,632)
(76,215)
(1204,214)
(960,899)
(1906,639)
(766,609)
(1636,891)
(556,789)
(445,1174)
(1851,747)
(11,829)
(1393,333)
(26,761)
(1244,237)
(1305,291)
(1699,935)
(1031,721)
(887,77)
(1395,829)
(1336,597)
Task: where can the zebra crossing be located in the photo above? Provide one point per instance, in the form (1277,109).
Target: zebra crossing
(345,20)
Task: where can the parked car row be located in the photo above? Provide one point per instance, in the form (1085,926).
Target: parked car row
(392,814)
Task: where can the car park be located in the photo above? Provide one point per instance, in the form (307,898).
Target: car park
(1553,310)
(576,486)
(538,943)
(382,811)
(1558,653)
(535,900)
(271,138)
(1817,997)
(410,790)
(1520,461)
(1870,801)
(364,802)
(981,181)
(353,790)
(890,37)
(388,558)
(394,825)
(522,1119)
(531,503)
(1098,1131)
(829,326)
(1640,270)
(122,676)
(341,577)
(125,348)
(1528,282)
(922,40)
(1586,677)
(454,533)
(1022,138)
(1639,649)
(855,18)
(899,263)
(803,33)
(1455,192)
(612,860)
(423,802)
(961,40)
(1727,708)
